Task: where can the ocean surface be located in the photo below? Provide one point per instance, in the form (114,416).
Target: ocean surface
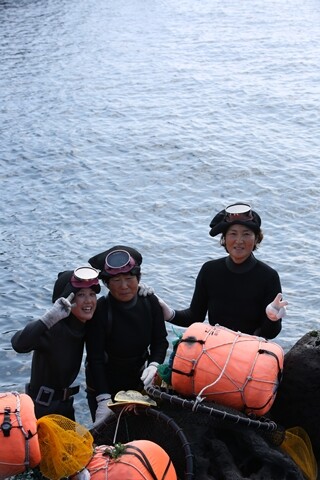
(135,122)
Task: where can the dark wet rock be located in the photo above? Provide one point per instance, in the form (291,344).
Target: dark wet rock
(298,399)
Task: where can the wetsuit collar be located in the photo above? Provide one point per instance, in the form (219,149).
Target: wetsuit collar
(244,267)
(125,305)
(75,323)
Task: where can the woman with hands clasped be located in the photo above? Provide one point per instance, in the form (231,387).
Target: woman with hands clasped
(57,342)
(127,338)
(237,291)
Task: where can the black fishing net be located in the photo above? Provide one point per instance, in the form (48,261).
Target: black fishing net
(206,447)
(224,450)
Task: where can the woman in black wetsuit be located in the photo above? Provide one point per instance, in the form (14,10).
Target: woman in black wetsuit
(127,338)
(238,291)
(57,342)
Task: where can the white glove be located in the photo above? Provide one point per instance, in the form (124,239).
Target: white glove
(82,475)
(103,411)
(60,309)
(168,312)
(149,373)
(144,290)
(276,309)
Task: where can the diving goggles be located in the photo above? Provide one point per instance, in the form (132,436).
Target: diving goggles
(238,211)
(119,261)
(84,277)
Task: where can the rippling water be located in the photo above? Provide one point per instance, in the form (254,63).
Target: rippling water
(135,122)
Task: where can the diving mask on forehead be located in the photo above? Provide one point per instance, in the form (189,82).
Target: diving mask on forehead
(235,213)
(119,261)
(238,211)
(84,277)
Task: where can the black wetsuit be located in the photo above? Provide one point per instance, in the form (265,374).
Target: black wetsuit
(56,361)
(235,296)
(121,338)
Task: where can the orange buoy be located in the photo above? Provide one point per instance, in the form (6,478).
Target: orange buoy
(18,431)
(230,368)
(136,460)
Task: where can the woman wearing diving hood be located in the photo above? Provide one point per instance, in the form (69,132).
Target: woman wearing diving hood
(127,338)
(238,291)
(57,341)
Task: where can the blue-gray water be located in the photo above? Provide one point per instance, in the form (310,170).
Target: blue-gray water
(135,122)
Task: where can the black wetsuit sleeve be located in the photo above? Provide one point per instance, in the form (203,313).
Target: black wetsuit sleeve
(57,352)
(31,337)
(198,307)
(268,328)
(159,342)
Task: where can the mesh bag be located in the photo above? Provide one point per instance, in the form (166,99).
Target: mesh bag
(297,444)
(146,423)
(66,446)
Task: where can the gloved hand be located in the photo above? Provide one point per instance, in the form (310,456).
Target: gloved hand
(149,373)
(144,290)
(59,310)
(84,474)
(168,312)
(103,411)
(276,309)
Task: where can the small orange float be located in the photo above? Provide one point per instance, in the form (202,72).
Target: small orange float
(139,459)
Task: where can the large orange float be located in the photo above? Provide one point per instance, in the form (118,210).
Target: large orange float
(231,368)
(136,460)
(19,446)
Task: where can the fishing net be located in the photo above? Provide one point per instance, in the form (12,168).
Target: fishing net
(220,415)
(205,441)
(66,446)
(138,422)
(228,444)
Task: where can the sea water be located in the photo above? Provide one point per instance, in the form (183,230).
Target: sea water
(135,122)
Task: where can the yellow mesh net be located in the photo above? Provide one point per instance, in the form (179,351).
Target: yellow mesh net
(297,444)
(66,446)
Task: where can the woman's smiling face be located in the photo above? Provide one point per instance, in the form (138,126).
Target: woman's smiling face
(85,301)
(240,242)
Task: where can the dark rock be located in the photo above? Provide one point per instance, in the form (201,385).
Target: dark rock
(298,398)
